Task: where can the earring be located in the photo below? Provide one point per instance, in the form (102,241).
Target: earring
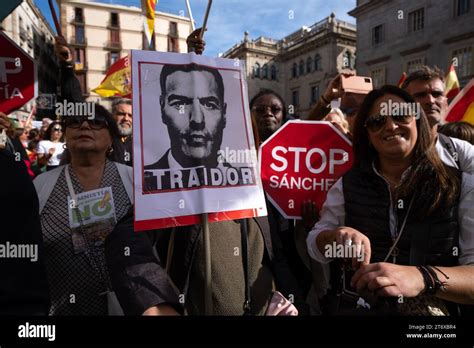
(109,151)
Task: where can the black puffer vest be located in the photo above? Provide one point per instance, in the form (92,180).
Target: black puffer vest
(432,240)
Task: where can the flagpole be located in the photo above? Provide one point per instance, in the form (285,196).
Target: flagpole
(207,263)
(55,18)
(190,13)
(206,16)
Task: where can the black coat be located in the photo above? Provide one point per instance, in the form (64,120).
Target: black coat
(23,284)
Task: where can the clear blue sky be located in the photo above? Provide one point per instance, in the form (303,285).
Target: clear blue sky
(229,19)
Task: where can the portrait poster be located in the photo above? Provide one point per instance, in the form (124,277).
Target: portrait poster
(194,150)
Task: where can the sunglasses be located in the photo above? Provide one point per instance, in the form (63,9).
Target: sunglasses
(57,130)
(261,109)
(76,122)
(375,123)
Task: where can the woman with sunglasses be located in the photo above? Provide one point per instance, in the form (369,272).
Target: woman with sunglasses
(51,148)
(407,216)
(80,203)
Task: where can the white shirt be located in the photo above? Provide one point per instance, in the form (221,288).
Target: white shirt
(45,145)
(333,216)
(464,151)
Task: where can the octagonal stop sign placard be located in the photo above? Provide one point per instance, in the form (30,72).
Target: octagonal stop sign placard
(17,76)
(301,161)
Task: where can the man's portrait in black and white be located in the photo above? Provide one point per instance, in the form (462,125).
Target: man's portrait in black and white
(193,117)
(194,112)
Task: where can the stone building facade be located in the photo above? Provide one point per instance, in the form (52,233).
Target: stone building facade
(396,36)
(300,65)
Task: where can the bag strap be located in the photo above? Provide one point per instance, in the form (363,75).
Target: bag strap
(245,263)
(448,144)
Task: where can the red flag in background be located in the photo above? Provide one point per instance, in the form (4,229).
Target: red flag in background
(452,83)
(402,79)
(462,107)
(117,81)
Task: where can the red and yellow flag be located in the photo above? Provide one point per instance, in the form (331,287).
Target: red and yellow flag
(117,82)
(148,10)
(402,79)
(452,83)
(462,107)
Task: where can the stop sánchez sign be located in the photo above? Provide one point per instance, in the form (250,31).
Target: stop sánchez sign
(301,161)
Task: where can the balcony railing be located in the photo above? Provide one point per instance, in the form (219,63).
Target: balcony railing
(78,41)
(113,45)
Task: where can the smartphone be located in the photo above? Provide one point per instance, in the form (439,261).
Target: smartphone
(357,84)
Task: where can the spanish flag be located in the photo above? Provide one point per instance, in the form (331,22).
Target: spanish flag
(117,82)
(462,107)
(452,83)
(148,10)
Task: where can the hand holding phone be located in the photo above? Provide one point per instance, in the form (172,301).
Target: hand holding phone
(356,84)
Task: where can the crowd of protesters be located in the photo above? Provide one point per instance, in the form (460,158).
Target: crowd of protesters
(422,250)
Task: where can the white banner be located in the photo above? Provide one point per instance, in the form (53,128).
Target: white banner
(193,144)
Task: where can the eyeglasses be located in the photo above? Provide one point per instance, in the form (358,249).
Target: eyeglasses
(57,130)
(76,122)
(375,123)
(261,109)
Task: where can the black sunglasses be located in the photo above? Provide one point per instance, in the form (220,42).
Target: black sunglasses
(375,123)
(57,129)
(261,109)
(94,123)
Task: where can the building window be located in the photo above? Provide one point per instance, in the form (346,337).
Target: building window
(347,60)
(464,66)
(173,29)
(114,20)
(79,58)
(114,56)
(309,65)
(256,70)
(301,68)
(78,15)
(294,70)
(265,71)
(317,63)
(378,77)
(416,20)
(295,98)
(314,94)
(173,44)
(273,72)
(79,35)
(462,7)
(414,65)
(377,35)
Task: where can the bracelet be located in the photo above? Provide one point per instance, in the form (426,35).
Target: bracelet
(429,284)
(439,285)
